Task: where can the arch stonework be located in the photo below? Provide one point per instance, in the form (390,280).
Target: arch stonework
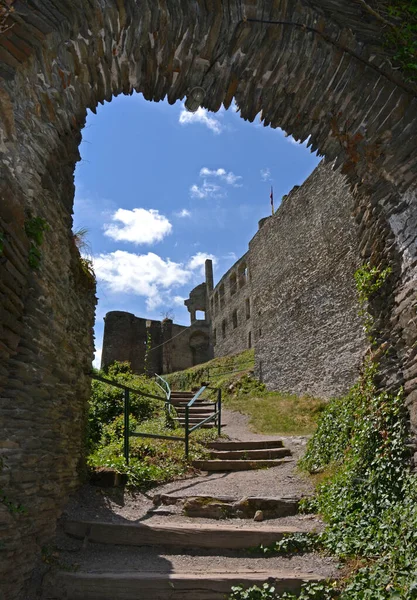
(323,72)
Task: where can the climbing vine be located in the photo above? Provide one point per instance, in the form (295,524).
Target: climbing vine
(399,20)
(6,10)
(368,494)
(35,228)
(369,280)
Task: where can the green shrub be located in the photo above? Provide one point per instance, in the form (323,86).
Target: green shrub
(107,402)
(368,498)
(152,461)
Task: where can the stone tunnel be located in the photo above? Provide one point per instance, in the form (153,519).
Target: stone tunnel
(319,69)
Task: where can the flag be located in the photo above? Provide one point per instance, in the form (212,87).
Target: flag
(271,195)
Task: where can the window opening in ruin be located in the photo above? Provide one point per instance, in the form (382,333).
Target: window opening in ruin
(247,305)
(222,296)
(200,315)
(234,319)
(260,333)
(224,328)
(250,339)
(243,274)
(233,284)
(216,303)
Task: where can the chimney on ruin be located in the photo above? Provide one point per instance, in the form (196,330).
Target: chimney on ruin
(209,274)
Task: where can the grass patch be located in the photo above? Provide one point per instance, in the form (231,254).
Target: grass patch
(269,412)
(275,413)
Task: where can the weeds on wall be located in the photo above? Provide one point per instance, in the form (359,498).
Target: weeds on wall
(368,494)
(398,19)
(85,258)
(369,280)
(402,37)
(6,10)
(35,228)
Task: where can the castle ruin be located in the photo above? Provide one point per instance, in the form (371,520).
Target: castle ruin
(291,297)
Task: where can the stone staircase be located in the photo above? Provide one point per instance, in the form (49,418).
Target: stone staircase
(176,560)
(188,547)
(201,409)
(243,456)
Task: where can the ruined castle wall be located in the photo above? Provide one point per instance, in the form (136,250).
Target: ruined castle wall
(46,352)
(125,339)
(177,353)
(308,336)
(230,308)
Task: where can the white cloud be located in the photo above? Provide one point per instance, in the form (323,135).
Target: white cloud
(178,300)
(266,175)
(200,116)
(207,190)
(97,358)
(183,213)
(229,178)
(139,226)
(147,275)
(198,261)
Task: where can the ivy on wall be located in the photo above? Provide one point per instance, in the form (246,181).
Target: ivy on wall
(35,228)
(368,497)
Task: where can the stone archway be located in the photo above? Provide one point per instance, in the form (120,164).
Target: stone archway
(315,68)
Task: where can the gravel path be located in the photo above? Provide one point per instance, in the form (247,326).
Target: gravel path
(284,481)
(118,506)
(100,559)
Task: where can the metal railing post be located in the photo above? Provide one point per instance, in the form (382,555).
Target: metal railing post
(126,426)
(186,431)
(219,410)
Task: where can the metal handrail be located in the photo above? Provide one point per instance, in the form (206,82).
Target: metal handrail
(126,407)
(217,415)
(169,409)
(126,412)
(167,389)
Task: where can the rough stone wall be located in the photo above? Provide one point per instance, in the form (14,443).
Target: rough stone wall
(46,351)
(231,322)
(125,339)
(172,347)
(308,335)
(325,73)
(177,353)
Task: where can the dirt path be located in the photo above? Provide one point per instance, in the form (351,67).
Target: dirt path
(283,481)
(93,565)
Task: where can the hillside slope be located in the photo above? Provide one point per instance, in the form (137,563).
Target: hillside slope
(269,412)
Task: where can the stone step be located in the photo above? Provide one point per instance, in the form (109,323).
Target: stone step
(237,465)
(166,586)
(250,454)
(180,535)
(192,422)
(250,445)
(185,401)
(195,409)
(221,507)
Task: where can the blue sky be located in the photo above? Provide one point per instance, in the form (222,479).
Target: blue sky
(160,190)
